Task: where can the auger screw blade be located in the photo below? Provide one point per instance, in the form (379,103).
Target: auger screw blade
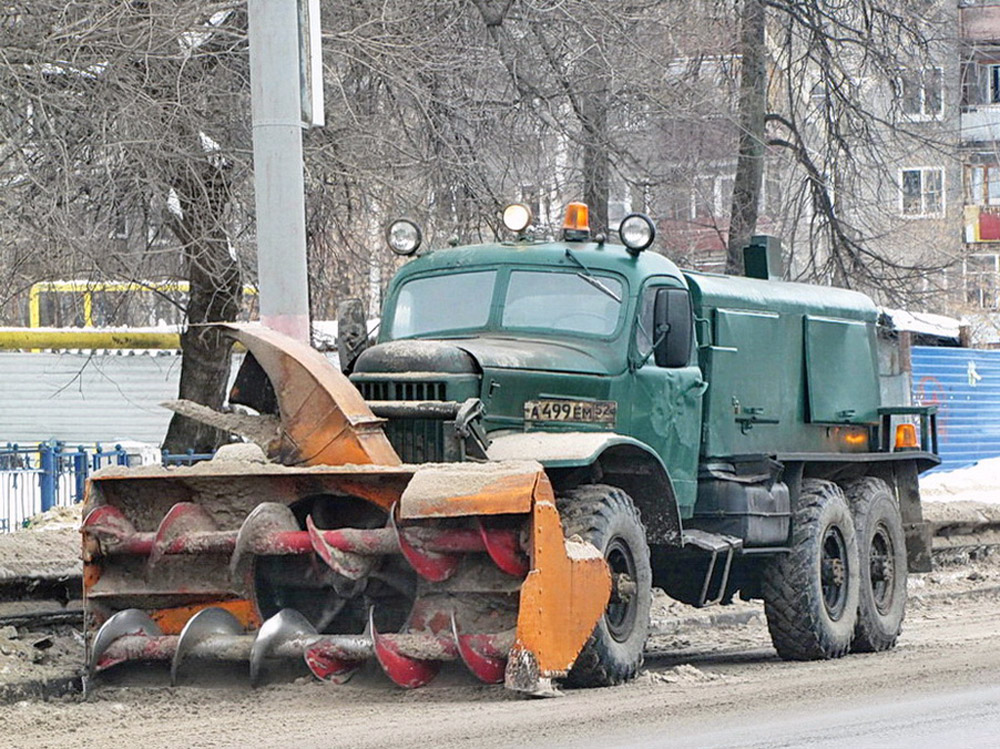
(125,622)
(203,625)
(286,625)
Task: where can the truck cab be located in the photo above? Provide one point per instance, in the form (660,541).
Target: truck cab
(582,354)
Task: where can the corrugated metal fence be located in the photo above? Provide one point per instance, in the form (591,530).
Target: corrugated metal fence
(964,384)
(86,397)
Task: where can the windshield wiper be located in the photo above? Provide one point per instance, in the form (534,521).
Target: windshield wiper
(591,278)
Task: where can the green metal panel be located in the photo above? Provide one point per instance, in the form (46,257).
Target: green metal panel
(752,348)
(755,392)
(666,415)
(841,371)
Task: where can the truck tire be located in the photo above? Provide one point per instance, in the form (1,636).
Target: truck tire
(811,593)
(606,517)
(882,550)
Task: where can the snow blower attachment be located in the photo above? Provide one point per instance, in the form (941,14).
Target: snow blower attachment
(333,552)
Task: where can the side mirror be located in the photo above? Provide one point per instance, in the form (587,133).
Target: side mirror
(672,324)
(352,332)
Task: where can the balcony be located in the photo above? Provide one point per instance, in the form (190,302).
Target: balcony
(981,223)
(980,22)
(980,123)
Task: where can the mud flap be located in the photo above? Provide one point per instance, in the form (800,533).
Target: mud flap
(918,546)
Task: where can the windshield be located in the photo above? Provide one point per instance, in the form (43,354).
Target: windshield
(568,302)
(458,301)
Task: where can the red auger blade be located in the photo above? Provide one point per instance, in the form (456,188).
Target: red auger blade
(503,549)
(430,565)
(327,662)
(203,627)
(349,565)
(286,628)
(473,649)
(133,625)
(264,520)
(109,526)
(182,519)
(403,670)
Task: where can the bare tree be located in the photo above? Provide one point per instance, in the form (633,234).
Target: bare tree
(835,119)
(113,112)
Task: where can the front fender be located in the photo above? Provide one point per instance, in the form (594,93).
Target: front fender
(560,449)
(624,461)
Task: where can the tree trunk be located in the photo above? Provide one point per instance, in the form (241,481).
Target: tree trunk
(215,296)
(750,162)
(596,160)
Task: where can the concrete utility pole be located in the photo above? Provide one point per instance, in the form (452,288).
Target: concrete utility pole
(279,32)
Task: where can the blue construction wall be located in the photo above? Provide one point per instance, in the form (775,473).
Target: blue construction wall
(964,384)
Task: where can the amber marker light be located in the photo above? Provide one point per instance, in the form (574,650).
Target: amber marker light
(906,437)
(576,227)
(856,439)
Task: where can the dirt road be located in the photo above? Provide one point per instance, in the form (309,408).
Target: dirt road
(702,685)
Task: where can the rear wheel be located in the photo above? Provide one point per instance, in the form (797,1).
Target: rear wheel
(882,549)
(811,593)
(606,517)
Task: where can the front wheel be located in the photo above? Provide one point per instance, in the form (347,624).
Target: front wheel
(811,593)
(606,517)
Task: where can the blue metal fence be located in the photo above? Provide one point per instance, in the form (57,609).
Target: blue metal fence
(964,384)
(50,474)
(188,458)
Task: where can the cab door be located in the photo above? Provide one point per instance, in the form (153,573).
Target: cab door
(668,384)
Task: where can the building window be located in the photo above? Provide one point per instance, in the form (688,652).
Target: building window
(921,93)
(980,273)
(921,192)
(980,82)
(982,184)
(119,223)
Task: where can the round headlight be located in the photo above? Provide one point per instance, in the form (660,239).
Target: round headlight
(403,237)
(517,217)
(637,232)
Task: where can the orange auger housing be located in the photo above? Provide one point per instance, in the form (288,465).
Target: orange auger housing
(331,551)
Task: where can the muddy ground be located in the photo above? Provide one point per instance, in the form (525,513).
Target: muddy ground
(705,668)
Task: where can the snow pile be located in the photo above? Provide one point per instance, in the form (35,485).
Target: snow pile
(58,518)
(682,674)
(979,482)
(924,323)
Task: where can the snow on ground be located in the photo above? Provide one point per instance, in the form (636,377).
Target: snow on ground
(979,482)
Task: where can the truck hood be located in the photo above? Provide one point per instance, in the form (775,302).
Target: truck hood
(543,355)
(472,355)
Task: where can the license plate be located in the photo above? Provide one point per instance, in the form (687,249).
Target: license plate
(600,412)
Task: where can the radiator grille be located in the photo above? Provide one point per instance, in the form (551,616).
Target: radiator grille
(416,440)
(403,391)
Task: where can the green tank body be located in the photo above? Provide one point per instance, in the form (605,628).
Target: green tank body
(790,367)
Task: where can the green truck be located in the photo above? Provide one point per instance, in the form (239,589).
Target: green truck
(714,436)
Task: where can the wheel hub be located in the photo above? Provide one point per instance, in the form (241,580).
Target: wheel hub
(621,611)
(882,568)
(834,572)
